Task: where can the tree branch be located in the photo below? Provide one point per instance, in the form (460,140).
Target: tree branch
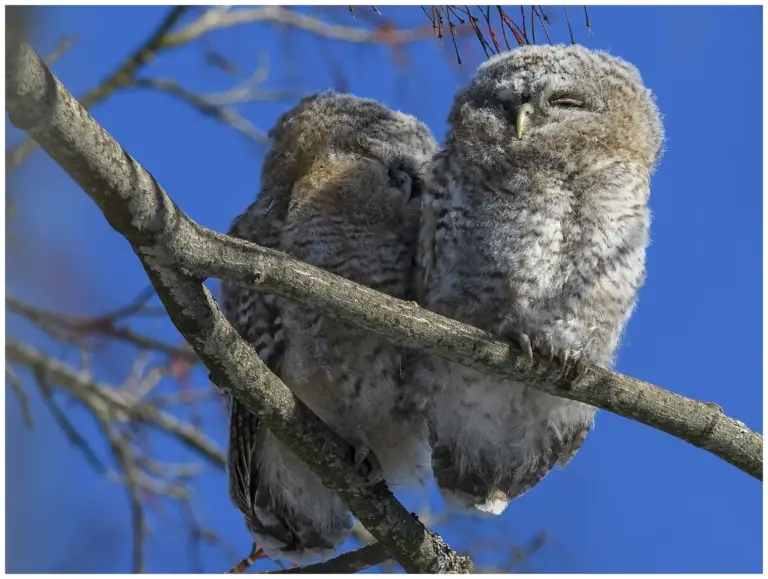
(224,18)
(137,207)
(75,327)
(224,114)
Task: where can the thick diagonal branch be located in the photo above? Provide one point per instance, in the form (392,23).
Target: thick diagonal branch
(137,207)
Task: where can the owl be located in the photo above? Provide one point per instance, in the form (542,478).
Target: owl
(535,225)
(341,189)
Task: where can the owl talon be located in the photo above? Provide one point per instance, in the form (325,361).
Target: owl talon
(582,365)
(549,356)
(519,338)
(563,358)
(364,460)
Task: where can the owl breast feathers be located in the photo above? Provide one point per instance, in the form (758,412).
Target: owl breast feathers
(341,190)
(534,226)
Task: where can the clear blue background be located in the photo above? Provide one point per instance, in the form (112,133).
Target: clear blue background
(634,499)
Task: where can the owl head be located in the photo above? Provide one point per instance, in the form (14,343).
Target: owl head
(555,105)
(356,155)
(348,125)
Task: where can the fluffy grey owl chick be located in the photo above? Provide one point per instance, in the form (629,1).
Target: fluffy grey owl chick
(534,226)
(341,190)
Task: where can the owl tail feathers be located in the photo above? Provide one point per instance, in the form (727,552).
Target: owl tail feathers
(460,502)
(297,539)
(465,490)
(477,491)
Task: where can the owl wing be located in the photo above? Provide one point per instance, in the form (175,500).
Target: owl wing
(256,318)
(257,462)
(431,207)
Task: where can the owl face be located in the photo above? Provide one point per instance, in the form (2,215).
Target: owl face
(395,146)
(554,104)
(364,159)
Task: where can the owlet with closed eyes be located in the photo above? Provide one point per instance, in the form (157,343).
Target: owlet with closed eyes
(534,226)
(341,190)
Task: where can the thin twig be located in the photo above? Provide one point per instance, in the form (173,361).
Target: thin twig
(124,457)
(587,22)
(13,380)
(570,29)
(525,28)
(452,28)
(64,45)
(282,15)
(487,16)
(543,19)
(226,115)
(75,438)
(67,327)
(503,32)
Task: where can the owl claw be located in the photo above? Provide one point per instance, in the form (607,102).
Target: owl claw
(565,361)
(364,460)
(582,365)
(550,362)
(521,339)
(549,356)
(563,357)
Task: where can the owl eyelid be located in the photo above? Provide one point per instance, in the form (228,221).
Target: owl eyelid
(568,101)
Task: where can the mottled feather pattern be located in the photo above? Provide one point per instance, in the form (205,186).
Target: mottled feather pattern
(545,234)
(340,190)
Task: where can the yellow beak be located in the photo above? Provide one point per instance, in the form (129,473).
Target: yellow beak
(523,119)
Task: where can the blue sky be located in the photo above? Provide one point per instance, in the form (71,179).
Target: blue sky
(634,499)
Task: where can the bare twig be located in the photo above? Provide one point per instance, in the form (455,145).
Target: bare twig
(137,305)
(124,456)
(568,21)
(75,438)
(587,22)
(63,326)
(543,19)
(218,19)
(64,45)
(13,381)
(226,115)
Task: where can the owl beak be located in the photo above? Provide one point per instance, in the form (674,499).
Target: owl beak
(522,120)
